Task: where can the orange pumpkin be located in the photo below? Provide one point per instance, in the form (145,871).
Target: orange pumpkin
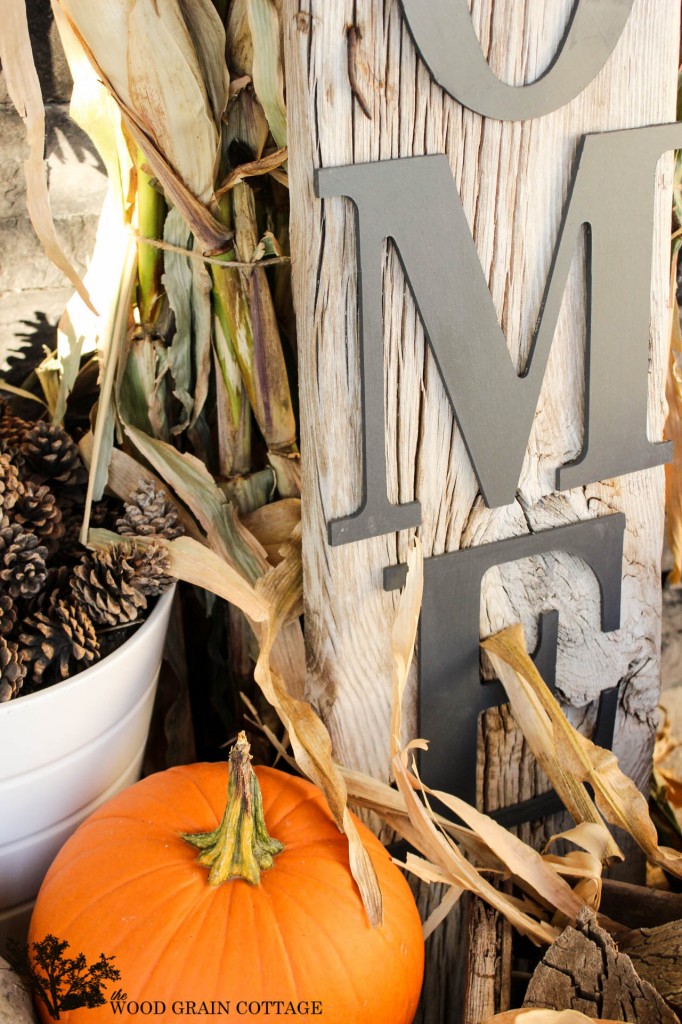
(129,885)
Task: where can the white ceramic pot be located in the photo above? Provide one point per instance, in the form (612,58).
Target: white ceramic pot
(64,751)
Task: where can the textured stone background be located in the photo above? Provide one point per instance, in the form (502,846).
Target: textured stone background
(32,291)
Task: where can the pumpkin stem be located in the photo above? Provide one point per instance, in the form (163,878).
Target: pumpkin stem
(241,846)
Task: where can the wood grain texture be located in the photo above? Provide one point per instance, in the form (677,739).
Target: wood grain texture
(512,178)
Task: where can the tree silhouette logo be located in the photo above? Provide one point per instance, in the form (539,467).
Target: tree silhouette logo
(61,982)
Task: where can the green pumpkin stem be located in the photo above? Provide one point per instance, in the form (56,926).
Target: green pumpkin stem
(241,846)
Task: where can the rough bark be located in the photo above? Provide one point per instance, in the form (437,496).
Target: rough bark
(657,955)
(489,961)
(584,971)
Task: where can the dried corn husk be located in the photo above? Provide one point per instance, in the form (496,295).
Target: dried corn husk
(568,755)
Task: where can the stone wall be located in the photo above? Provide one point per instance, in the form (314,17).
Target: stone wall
(32,291)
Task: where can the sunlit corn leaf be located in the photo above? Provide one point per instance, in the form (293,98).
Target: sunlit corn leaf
(94,110)
(572,754)
(115,331)
(145,55)
(23,87)
(80,330)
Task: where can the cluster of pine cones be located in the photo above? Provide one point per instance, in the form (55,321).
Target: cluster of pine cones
(63,607)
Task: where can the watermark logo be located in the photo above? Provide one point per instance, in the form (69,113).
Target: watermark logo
(64,982)
(61,981)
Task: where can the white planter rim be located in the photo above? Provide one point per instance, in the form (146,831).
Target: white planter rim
(82,678)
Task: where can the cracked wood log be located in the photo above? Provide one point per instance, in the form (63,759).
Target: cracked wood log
(584,971)
(657,955)
(513,179)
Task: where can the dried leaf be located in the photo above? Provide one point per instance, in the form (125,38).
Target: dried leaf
(239,39)
(673,429)
(403,638)
(203,323)
(267,70)
(178,283)
(282,589)
(451,865)
(272,525)
(20,393)
(537,726)
(23,87)
(437,916)
(616,796)
(206,28)
(168,93)
(252,169)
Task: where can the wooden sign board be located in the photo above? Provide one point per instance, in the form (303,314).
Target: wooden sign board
(411,275)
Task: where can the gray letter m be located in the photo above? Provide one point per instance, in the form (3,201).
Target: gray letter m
(410,201)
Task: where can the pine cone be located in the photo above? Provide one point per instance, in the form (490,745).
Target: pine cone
(58,642)
(151,563)
(13,430)
(36,510)
(12,670)
(54,457)
(56,588)
(22,561)
(10,484)
(104,583)
(8,614)
(149,513)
